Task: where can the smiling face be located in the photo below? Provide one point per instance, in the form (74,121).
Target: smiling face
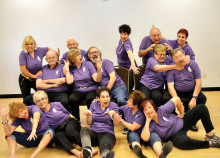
(124,36)
(179,58)
(104,99)
(30,45)
(51,58)
(181,39)
(71,43)
(149,110)
(94,55)
(23,114)
(41,101)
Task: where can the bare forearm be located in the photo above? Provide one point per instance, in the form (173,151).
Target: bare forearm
(69,78)
(163,68)
(145,134)
(131,57)
(25,72)
(56,81)
(45,86)
(89,119)
(142,53)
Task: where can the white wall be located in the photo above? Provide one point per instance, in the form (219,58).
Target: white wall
(95,22)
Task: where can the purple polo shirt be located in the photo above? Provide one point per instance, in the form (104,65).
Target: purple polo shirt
(43,124)
(145,43)
(107,68)
(169,124)
(33,65)
(184,80)
(55,73)
(102,122)
(83,81)
(187,49)
(153,79)
(83,54)
(56,115)
(122,55)
(138,116)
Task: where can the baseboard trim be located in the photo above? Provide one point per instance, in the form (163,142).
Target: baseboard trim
(211,89)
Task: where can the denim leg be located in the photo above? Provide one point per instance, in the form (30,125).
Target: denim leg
(133,136)
(120,93)
(154,137)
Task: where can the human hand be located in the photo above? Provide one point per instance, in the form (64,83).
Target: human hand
(151,47)
(95,100)
(110,113)
(88,113)
(58,52)
(192,103)
(32,135)
(99,65)
(180,115)
(167,46)
(4,113)
(66,66)
(135,69)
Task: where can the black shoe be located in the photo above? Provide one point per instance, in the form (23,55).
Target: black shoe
(194,128)
(168,147)
(111,154)
(87,152)
(125,130)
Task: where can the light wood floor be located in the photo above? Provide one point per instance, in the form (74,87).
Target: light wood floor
(121,148)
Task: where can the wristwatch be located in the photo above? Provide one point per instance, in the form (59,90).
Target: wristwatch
(195,97)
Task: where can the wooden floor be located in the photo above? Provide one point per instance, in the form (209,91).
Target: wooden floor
(121,148)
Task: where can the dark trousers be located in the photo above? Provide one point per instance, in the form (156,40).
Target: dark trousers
(131,81)
(156,95)
(200,100)
(53,97)
(181,140)
(68,134)
(76,98)
(103,140)
(26,85)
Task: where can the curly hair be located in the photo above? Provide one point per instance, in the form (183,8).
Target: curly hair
(14,109)
(125,28)
(101,89)
(137,97)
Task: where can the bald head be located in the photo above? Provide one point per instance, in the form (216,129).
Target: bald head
(155,35)
(72,43)
(51,57)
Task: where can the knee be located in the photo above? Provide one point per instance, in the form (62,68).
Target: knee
(121,101)
(73,99)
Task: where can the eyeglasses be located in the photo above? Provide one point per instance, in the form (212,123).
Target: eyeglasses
(160,55)
(38,101)
(178,57)
(95,52)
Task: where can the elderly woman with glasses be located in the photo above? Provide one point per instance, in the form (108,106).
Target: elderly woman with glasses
(152,82)
(30,61)
(66,127)
(33,121)
(83,77)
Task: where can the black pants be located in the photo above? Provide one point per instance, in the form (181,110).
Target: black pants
(200,100)
(53,97)
(103,140)
(68,134)
(26,85)
(131,81)
(181,140)
(156,95)
(76,98)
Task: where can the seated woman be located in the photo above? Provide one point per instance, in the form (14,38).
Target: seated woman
(83,76)
(32,120)
(171,127)
(102,116)
(134,120)
(152,82)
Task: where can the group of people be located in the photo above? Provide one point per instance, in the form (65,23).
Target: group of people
(52,113)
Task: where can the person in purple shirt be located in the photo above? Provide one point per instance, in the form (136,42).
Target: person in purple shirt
(73,44)
(185,83)
(82,75)
(181,42)
(53,81)
(125,55)
(102,116)
(174,128)
(30,61)
(149,42)
(152,81)
(66,127)
(32,120)
(110,78)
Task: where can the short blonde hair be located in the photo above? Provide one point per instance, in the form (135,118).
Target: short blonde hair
(14,108)
(39,94)
(159,48)
(72,54)
(27,39)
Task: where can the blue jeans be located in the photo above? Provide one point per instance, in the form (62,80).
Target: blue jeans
(21,138)
(154,138)
(120,93)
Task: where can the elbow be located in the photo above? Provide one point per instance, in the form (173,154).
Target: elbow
(157,68)
(139,54)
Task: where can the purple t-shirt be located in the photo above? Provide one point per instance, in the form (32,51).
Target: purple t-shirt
(83,81)
(153,79)
(33,65)
(83,54)
(184,80)
(145,43)
(187,49)
(122,55)
(55,73)
(107,68)
(56,115)
(169,124)
(102,122)
(138,117)
(43,124)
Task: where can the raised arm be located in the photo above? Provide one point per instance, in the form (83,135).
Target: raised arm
(144,52)
(98,76)
(145,134)
(66,71)
(179,106)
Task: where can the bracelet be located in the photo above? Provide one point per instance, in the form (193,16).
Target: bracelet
(4,122)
